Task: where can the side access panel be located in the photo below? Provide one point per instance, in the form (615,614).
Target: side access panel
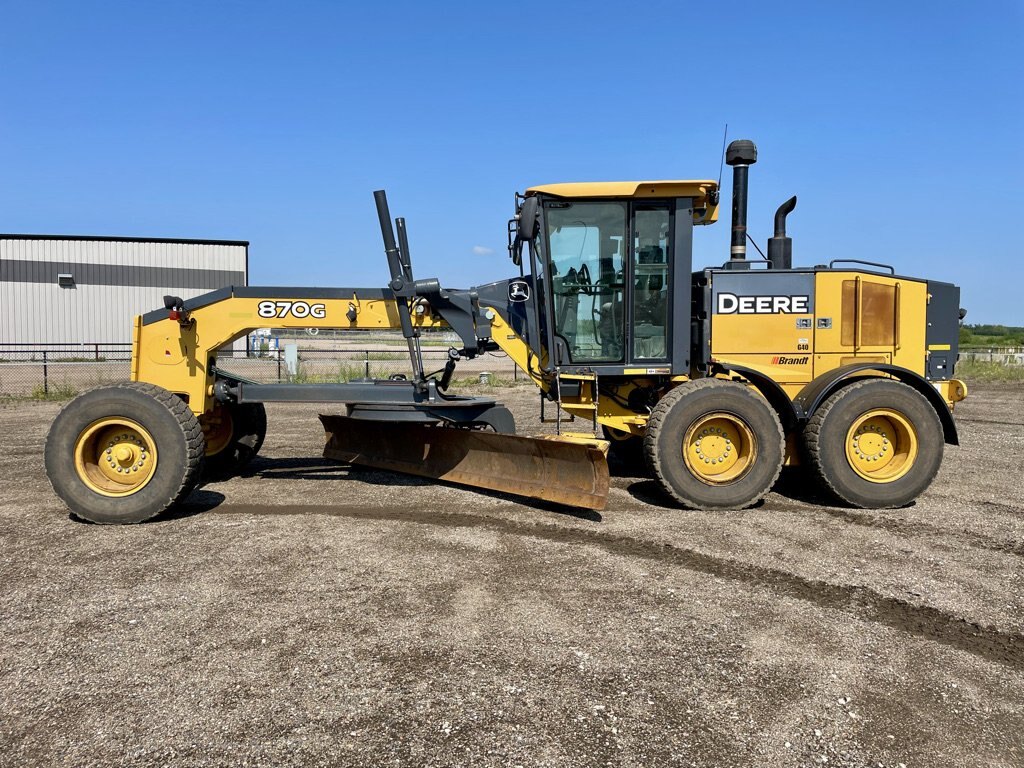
(864,317)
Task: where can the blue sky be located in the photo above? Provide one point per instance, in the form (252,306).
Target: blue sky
(898,125)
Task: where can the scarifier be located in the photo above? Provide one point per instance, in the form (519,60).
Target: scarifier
(716,377)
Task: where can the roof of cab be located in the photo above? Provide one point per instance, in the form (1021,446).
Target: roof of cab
(699,190)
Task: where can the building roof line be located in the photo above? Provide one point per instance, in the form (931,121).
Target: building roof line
(113,239)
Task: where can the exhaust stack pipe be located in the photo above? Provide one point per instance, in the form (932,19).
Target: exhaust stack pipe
(741,154)
(780,247)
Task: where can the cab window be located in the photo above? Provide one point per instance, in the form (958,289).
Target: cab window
(587,244)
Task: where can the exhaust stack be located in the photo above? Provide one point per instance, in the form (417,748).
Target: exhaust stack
(741,154)
(780,247)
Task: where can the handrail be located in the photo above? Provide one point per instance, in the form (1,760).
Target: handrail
(896,320)
(858,309)
(892,269)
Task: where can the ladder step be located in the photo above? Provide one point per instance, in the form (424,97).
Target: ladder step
(591,379)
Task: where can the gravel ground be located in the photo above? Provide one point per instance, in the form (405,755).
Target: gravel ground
(314,614)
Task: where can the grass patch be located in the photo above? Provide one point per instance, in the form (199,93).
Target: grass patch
(344,373)
(54,392)
(379,356)
(347,372)
(985,372)
(494,381)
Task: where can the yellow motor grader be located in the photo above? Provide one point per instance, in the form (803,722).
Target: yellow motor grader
(716,377)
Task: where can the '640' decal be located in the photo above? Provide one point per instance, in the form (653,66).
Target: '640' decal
(292,308)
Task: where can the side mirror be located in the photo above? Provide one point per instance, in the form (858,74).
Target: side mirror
(527,223)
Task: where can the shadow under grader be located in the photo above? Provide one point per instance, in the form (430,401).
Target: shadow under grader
(199,501)
(795,484)
(319,468)
(649,492)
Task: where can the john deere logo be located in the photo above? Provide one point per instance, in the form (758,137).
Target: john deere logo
(782,360)
(731,304)
(519,290)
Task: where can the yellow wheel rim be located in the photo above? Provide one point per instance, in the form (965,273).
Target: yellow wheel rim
(217,429)
(719,448)
(881,445)
(115,456)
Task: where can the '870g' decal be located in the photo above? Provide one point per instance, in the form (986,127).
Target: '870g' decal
(292,308)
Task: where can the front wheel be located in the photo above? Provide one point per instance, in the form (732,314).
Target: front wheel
(715,444)
(875,444)
(124,454)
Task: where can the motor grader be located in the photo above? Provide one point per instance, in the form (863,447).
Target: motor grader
(716,376)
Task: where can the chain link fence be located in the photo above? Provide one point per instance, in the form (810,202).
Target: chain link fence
(999,355)
(60,371)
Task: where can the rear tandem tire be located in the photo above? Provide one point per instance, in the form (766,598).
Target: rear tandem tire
(875,444)
(715,444)
(124,454)
(246,424)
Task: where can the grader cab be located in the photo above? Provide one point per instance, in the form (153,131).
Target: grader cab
(716,376)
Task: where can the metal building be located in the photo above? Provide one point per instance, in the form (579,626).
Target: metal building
(62,289)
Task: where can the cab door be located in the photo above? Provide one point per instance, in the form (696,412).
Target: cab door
(651,286)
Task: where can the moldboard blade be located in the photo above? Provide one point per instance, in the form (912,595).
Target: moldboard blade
(570,472)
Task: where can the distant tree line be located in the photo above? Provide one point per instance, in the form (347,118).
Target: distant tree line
(991,336)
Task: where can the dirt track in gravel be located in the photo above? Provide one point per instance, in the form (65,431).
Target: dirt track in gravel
(315,614)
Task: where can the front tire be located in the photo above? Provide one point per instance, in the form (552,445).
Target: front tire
(715,444)
(875,444)
(124,454)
